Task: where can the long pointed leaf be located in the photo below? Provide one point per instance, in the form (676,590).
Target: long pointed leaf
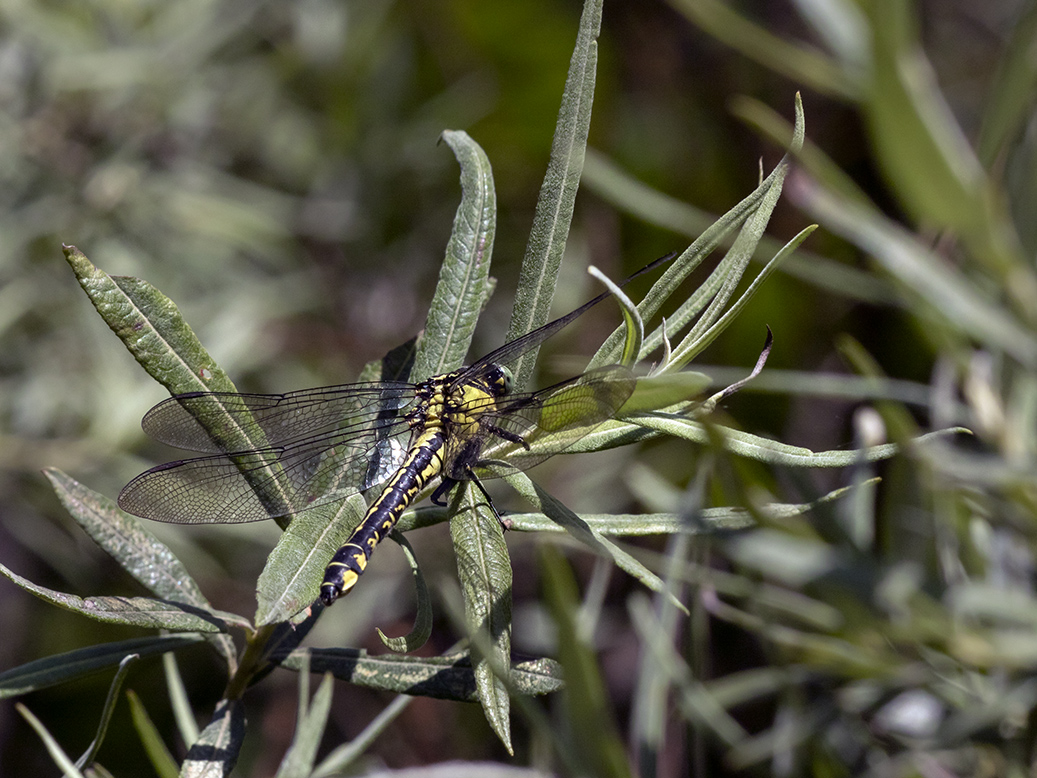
(60,668)
(464,284)
(593,734)
(178,699)
(136,550)
(153,330)
(215,752)
(291,578)
(484,569)
(422,629)
(130,611)
(114,688)
(61,759)
(158,753)
(151,327)
(299,760)
(337,762)
(582,532)
(444,677)
(558,192)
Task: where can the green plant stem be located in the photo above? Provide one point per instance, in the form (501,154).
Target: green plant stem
(252,661)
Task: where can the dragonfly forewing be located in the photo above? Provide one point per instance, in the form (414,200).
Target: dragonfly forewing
(226,422)
(314,467)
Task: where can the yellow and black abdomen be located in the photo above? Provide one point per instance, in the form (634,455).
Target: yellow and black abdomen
(422,464)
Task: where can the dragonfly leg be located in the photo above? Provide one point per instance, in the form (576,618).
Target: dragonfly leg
(507,435)
(449,483)
(439,496)
(505,525)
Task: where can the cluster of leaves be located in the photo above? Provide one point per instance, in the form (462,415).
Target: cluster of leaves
(151,327)
(896,624)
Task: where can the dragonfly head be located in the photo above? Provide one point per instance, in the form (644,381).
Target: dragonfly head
(499,380)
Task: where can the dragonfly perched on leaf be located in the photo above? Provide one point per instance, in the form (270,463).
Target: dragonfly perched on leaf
(322,445)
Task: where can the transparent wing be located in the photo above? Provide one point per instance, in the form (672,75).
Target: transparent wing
(325,454)
(547,421)
(223,422)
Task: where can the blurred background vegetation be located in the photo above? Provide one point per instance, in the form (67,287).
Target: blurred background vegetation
(274,169)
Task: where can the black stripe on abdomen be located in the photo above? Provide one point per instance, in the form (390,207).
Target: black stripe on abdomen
(423,463)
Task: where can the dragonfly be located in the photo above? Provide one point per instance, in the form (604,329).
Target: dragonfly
(322,445)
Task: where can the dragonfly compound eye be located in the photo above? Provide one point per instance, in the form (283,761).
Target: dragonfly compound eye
(500,380)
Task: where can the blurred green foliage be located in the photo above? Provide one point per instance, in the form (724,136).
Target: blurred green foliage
(273,168)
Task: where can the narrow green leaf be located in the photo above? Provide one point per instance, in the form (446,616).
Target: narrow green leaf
(178,700)
(830,385)
(645,426)
(484,569)
(651,708)
(61,759)
(635,525)
(696,702)
(215,752)
(723,280)
(706,520)
(158,754)
(715,318)
(290,581)
(800,63)
(309,728)
(582,532)
(444,677)
(557,197)
(594,737)
(698,340)
(304,687)
(339,760)
(611,349)
(617,186)
(947,291)
(59,668)
(87,759)
(919,143)
(137,551)
(812,159)
(151,327)
(131,611)
(635,326)
(422,629)
(765,450)
(1012,94)
(664,390)
(463,286)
